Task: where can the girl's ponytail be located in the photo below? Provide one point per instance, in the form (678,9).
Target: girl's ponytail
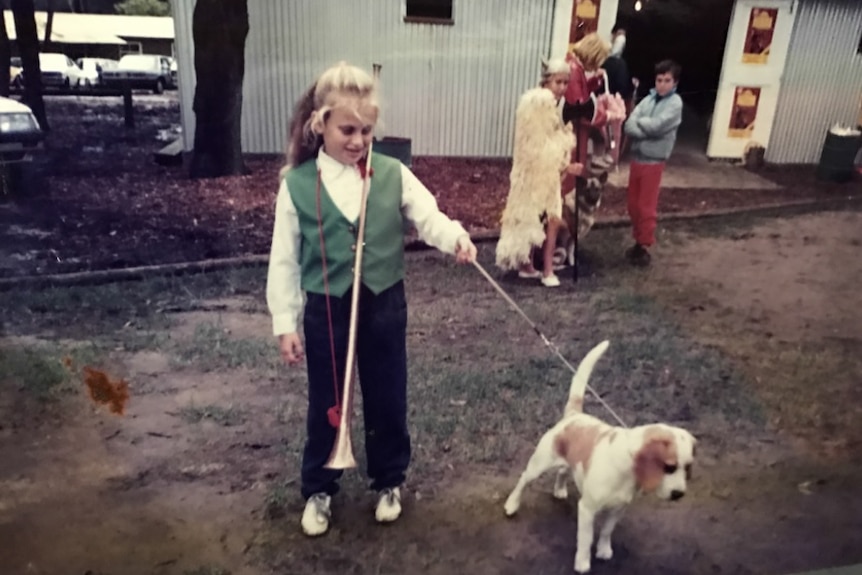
(302,144)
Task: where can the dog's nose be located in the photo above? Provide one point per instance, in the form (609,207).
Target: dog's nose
(676,494)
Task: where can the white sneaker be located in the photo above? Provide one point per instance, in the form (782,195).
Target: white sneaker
(389,505)
(315,518)
(602,163)
(529,275)
(551,281)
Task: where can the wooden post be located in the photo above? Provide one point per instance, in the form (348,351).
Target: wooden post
(577,227)
(128,110)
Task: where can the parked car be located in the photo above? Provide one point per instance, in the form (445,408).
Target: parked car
(140,71)
(93,68)
(59,71)
(20,139)
(20,133)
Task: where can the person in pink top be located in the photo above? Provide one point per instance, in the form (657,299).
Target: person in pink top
(581,106)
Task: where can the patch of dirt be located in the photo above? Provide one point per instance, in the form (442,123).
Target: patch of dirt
(814,260)
(82,491)
(784,298)
(150,492)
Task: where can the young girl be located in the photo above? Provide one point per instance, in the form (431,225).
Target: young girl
(313,251)
(533,213)
(582,106)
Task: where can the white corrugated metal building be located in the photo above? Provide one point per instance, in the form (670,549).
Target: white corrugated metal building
(822,80)
(452,88)
(809,78)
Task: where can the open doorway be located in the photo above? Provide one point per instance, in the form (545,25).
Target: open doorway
(692,33)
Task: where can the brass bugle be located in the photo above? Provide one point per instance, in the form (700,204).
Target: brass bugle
(341,456)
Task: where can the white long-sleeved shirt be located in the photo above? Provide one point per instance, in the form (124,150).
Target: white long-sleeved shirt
(284,295)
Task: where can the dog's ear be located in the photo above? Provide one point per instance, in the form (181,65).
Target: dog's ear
(580,183)
(651,460)
(603,177)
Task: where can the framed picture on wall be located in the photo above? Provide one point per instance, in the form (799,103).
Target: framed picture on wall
(758,37)
(744,112)
(585,19)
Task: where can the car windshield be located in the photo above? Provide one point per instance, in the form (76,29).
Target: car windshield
(138,62)
(52,61)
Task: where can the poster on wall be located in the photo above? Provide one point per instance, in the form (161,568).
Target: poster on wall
(758,37)
(744,112)
(585,19)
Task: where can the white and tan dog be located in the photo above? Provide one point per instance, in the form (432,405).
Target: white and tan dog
(610,464)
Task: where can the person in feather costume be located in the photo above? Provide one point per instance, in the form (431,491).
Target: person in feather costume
(541,156)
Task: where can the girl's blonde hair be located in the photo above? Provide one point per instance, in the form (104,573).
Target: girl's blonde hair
(340,85)
(552,67)
(592,51)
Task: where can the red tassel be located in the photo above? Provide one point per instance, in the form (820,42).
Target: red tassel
(361,167)
(334,415)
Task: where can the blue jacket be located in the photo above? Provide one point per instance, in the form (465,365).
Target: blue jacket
(652,127)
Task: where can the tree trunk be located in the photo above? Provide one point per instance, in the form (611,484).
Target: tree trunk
(219,29)
(28,46)
(49,26)
(5,56)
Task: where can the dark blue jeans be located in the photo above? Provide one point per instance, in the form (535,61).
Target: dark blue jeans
(382,364)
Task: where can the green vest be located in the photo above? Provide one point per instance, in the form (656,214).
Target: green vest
(383,255)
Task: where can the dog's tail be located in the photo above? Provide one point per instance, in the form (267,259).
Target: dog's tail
(581,377)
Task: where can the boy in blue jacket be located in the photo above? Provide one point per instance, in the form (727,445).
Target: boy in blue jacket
(652,129)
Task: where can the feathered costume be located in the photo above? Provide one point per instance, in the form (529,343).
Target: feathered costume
(543,148)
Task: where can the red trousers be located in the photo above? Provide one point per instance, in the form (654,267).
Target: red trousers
(644,183)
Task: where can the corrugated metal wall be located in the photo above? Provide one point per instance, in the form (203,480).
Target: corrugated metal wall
(452,89)
(822,81)
(185,56)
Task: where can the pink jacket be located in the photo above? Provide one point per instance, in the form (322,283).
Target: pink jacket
(581,88)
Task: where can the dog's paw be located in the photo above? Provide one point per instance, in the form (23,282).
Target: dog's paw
(570,254)
(511,506)
(604,551)
(582,565)
(559,257)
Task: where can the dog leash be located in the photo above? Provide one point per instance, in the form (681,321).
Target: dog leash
(545,340)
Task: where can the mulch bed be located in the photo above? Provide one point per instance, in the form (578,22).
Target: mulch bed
(110,206)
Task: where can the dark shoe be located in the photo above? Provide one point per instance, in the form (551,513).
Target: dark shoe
(638,255)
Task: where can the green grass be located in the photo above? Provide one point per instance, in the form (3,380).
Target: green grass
(40,369)
(277,497)
(212,348)
(84,311)
(224,416)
